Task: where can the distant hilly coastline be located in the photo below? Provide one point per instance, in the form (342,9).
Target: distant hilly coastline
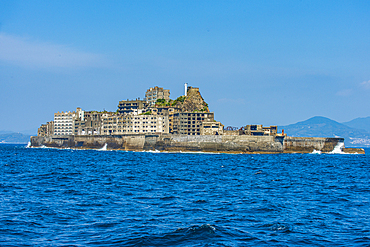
(354,132)
(14,138)
(359,123)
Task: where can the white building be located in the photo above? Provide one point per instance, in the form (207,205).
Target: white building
(116,124)
(64,122)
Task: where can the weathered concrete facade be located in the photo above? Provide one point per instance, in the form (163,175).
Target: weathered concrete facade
(119,124)
(46,129)
(89,123)
(185,143)
(211,128)
(259,130)
(129,106)
(189,123)
(152,94)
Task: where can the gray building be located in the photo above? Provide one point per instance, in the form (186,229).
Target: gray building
(46,129)
(259,130)
(152,94)
(129,106)
(189,123)
(89,124)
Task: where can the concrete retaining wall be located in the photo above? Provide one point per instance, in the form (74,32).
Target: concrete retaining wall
(309,144)
(169,142)
(132,143)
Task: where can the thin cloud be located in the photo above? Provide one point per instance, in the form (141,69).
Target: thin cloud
(345,92)
(27,53)
(365,84)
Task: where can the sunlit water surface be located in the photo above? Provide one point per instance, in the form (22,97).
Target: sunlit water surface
(52,197)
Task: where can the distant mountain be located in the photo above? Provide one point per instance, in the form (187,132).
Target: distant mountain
(359,123)
(325,127)
(14,138)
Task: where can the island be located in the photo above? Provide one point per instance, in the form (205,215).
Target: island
(158,123)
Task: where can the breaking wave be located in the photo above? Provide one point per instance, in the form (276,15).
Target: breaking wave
(104,148)
(338,149)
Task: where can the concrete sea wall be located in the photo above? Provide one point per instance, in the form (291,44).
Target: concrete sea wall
(184,143)
(245,144)
(166,142)
(309,144)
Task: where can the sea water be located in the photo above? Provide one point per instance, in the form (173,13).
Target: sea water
(53,197)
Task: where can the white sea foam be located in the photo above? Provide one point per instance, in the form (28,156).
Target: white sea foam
(316,152)
(104,148)
(28,145)
(338,149)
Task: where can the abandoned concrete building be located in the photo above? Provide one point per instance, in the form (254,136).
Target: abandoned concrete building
(129,106)
(259,130)
(89,124)
(211,128)
(46,129)
(118,124)
(152,94)
(189,123)
(187,115)
(64,122)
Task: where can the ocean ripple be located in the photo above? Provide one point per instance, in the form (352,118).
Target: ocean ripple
(52,197)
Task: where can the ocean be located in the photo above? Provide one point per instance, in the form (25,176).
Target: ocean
(54,197)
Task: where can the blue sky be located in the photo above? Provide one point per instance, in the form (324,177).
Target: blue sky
(268,62)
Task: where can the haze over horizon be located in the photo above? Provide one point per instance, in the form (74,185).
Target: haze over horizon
(274,63)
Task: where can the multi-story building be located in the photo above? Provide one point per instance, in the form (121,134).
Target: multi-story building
(152,94)
(191,117)
(189,123)
(166,111)
(259,130)
(46,129)
(64,122)
(271,131)
(129,106)
(41,131)
(121,124)
(89,124)
(112,123)
(211,128)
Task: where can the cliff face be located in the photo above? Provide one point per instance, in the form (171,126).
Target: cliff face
(193,102)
